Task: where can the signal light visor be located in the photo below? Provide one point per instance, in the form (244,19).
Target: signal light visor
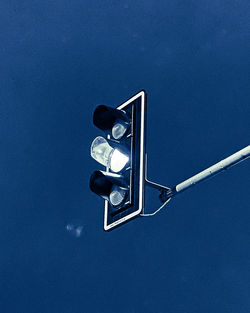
(111,187)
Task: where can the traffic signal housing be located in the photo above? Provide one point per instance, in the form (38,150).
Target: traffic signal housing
(122,152)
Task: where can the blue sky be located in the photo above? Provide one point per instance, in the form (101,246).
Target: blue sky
(58,61)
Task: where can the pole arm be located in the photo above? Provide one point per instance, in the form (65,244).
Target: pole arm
(232,160)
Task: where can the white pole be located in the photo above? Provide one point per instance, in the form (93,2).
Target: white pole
(212,170)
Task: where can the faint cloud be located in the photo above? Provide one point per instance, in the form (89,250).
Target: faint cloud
(75,229)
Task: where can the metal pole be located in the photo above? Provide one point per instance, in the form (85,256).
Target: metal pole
(233,159)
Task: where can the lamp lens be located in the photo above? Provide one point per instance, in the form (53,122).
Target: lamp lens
(110,157)
(119,129)
(117,195)
(118,161)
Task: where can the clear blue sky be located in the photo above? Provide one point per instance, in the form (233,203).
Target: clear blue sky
(58,60)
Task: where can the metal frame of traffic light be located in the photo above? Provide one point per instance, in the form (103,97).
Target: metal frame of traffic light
(134,110)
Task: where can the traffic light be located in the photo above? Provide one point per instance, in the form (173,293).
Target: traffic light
(122,151)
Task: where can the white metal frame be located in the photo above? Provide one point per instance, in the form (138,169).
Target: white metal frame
(142,165)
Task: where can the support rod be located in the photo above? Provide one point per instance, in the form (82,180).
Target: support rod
(233,159)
